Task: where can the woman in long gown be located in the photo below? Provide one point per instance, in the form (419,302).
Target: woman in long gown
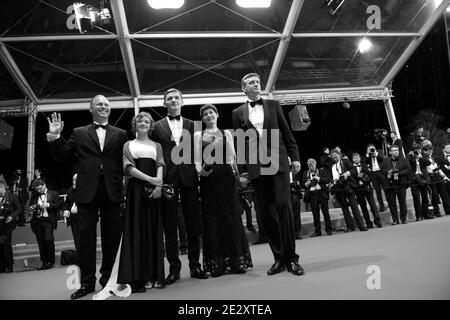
(140,259)
(225,246)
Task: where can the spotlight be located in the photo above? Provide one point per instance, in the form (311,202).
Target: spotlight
(364,45)
(165,4)
(346,105)
(254,3)
(334,5)
(86,16)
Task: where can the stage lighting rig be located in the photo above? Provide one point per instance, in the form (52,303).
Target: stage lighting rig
(334,5)
(87,16)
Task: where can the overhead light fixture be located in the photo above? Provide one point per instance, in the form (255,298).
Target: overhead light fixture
(364,45)
(448,9)
(165,4)
(345,104)
(86,16)
(254,3)
(334,5)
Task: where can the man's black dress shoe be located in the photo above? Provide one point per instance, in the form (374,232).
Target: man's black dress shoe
(403,221)
(349,230)
(329,232)
(379,225)
(238,270)
(83,291)
(363,229)
(260,241)
(171,278)
(370,226)
(9,269)
(44,266)
(316,234)
(295,268)
(198,273)
(277,267)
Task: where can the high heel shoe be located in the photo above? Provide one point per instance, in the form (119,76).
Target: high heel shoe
(122,291)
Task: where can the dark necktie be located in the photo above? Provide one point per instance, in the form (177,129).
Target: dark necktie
(96,126)
(254,103)
(173,117)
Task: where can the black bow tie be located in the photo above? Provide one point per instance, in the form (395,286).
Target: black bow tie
(96,126)
(173,117)
(254,103)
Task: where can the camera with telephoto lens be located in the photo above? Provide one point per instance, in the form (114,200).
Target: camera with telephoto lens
(372,151)
(416,153)
(36,210)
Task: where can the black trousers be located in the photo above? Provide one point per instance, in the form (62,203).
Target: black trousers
(111,228)
(392,194)
(296,211)
(420,198)
(364,197)
(319,200)
(273,197)
(75,226)
(378,181)
(6,253)
(345,199)
(438,189)
(261,233)
(182,235)
(191,213)
(46,242)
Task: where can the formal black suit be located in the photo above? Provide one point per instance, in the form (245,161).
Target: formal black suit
(271,188)
(9,206)
(318,198)
(184,177)
(438,189)
(443,161)
(345,194)
(396,188)
(364,194)
(419,186)
(99,187)
(43,226)
(376,176)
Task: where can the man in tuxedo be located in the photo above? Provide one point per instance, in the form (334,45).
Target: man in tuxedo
(97,149)
(44,205)
(343,174)
(395,141)
(9,211)
(364,192)
(419,183)
(374,160)
(396,170)
(443,161)
(261,120)
(316,180)
(19,188)
(170,132)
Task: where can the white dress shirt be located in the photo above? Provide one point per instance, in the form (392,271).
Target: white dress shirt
(101,134)
(375,165)
(336,170)
(176,126)
(256,116)
(43,201)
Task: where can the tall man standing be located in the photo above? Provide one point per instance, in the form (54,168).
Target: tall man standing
(97,150)
(260,120)
(169,133)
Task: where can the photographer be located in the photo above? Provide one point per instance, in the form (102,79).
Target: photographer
(374,161)
(44,207)
(437,182)
(9,211)
(395,141)
(343,175)
(316,180)
(19,188)
(364,192)
(396,170)
(325,160)
(70,213)
(419,183)
(443,161)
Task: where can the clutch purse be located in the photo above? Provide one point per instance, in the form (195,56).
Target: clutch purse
(167,191)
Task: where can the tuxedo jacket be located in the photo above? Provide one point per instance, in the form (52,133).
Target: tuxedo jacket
(347,165)
(70,199)
(364,181)
(423,163)
(402,166)
(184,173)
(11,207)
(324,179)
(443,161)
(54,202)
(83,147)
(368,161)
(273,119)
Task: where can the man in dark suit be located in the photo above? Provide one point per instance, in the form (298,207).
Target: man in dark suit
(364,192)
(9,211)
(343,175)
(44,206)
(374,161)
(97,148)
(316,180)
(395,141)
(443,161)
(419,183)
(396,170)
(170,133)
(267,164)
(19,188)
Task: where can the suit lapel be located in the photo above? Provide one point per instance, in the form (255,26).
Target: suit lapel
(267,115)
(110,132)
(245,114)
(93,134)
(185,127)
(166,128)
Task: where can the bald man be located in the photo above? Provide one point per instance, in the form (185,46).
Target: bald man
(97,151)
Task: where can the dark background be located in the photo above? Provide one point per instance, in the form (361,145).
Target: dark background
(423,83)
